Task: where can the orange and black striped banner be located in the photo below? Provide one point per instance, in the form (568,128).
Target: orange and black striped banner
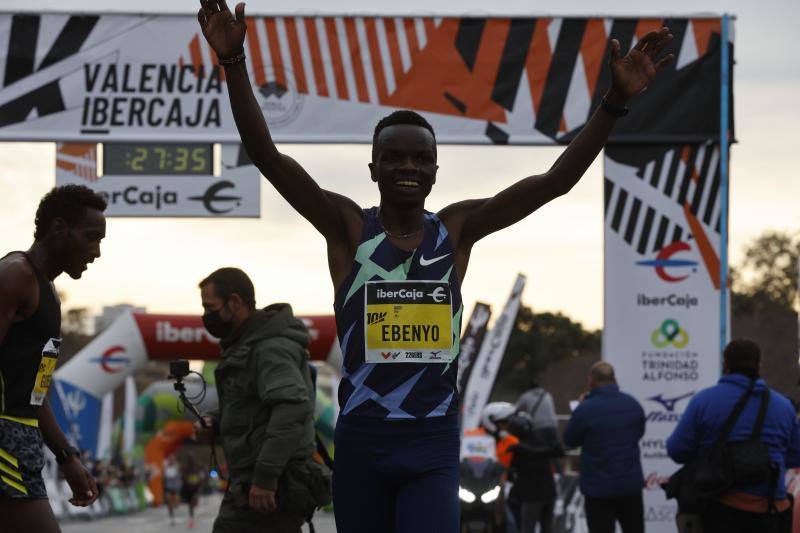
(329,79)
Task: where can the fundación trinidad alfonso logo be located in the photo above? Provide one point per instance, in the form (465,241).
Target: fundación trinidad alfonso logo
(668,268)
(111,362)
(669,333)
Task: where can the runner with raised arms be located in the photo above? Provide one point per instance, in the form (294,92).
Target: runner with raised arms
(397,437)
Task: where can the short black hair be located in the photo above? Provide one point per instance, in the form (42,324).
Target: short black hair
(68,202)
(230,280)
(401,116)
(742,356)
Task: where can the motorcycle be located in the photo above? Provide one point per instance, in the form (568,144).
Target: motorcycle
(480,495)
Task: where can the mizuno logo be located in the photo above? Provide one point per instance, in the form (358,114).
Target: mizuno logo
(427,262)
(669,403)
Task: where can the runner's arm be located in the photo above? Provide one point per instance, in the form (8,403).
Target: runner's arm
(327,212)
(472,220)
(80,481)
(53,437)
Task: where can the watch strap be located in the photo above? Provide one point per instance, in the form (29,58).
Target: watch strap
(66,454)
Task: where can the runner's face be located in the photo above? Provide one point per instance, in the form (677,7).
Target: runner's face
(405,164)
(82,243)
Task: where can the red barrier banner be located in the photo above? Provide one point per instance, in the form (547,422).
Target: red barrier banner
(168,337)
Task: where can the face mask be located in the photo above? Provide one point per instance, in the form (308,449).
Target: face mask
(215,325)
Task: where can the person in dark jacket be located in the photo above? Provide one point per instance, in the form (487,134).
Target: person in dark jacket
(608,425)
(265,417)
(745,509)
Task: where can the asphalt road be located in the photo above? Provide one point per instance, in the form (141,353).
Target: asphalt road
(157,521)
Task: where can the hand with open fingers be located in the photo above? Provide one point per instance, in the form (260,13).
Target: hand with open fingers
(262,500)
(83,485)
(632,74)
(223,31)
(204,434)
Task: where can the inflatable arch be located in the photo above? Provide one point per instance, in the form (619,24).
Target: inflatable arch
(128,343)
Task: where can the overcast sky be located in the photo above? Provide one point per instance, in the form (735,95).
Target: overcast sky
(559,248)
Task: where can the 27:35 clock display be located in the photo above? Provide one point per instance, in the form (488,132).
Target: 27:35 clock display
(190,159)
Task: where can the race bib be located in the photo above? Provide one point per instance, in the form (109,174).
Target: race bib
(47,366)
(408,322)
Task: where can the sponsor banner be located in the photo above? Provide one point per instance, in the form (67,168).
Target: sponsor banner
(662,291)
(471,341)
(103,450)
(77,411)
(155,185)
(101,366)
(129,417)
(481,380)
(330,79)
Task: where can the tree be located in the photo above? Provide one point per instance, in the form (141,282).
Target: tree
(764,290)
(538,341)
(766,281)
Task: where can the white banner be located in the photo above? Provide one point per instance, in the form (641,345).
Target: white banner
(106,423)
(129,420)
(471,341)
(486,365)
(236,193)
(330,79)
(662,298)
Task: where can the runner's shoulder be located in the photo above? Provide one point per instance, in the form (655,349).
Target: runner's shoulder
(346,204)
(15,270)
(16,277)
(455,216)
(459,210)
(352,215)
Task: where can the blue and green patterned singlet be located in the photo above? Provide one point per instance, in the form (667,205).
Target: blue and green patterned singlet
(402,363)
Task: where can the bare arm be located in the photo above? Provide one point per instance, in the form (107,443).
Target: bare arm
(336,217)
(79,479)
(471,220)
(53,437)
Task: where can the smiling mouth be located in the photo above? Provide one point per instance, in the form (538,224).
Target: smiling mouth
(407,184)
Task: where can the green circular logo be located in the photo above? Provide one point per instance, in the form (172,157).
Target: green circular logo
(670,332)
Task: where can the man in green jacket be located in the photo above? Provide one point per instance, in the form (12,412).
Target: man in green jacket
(265,417)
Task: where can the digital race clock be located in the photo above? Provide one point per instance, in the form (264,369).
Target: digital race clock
(152,159)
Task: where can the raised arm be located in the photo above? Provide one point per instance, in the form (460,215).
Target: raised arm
(333,215)
(471,220)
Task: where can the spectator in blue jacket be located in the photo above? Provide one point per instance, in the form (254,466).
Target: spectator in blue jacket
(746,509)
(608,425)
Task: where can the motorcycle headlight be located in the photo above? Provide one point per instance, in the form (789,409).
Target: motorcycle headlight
(490,495)
(466,495)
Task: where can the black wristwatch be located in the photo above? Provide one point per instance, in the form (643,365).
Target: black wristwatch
(66,454)
(613,109)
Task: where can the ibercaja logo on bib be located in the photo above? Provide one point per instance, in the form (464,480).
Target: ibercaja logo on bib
(408,321)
